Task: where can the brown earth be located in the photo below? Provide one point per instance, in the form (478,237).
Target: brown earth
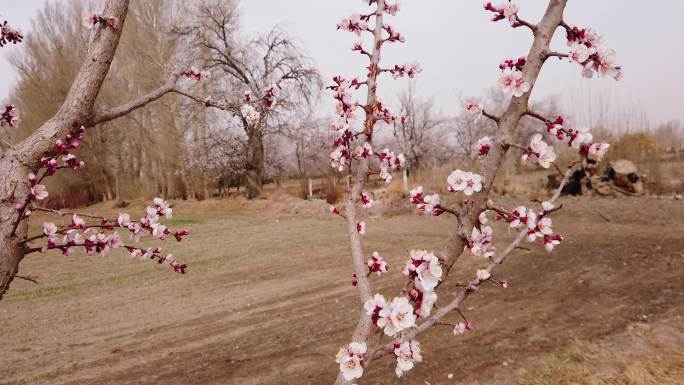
(268,300)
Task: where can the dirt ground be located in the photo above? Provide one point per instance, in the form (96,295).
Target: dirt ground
(268,300)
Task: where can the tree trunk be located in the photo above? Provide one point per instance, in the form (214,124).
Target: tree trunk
(255,164)
(77,110)
(14,187)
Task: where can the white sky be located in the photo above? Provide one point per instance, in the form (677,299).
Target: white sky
(460,49)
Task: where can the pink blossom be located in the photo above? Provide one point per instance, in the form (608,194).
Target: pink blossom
(9,116)
(9,35)
(195,74)
(394,36)
(366,200)
(91,20)
(512,82)
(505,10)
(482,146)
(597,151)
(39,192)
(376,264)
(361,227)
(355,23)
(77,222)
(475,108)
(392,9)
(481,242)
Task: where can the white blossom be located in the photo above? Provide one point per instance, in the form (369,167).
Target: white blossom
(350,359)
(407,353)
(465,181)
(483,274)
(397,316)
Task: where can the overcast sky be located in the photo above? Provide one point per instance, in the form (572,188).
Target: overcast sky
(460,49)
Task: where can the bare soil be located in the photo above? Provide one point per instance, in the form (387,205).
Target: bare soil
(268,299)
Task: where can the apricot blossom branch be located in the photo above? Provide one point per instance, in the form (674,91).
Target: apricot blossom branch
(50,148)
(405,317)
(482,275)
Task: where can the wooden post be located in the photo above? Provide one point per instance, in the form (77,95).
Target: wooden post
(405,175)
(310,189)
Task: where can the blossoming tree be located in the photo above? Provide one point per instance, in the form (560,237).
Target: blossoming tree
(415,310)
(271,68)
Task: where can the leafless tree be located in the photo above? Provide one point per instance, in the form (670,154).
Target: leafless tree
(258,66)
(310,140)
(416,133)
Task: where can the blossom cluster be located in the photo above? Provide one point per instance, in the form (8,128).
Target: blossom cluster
(195,74)
(394,36)
(465,181)
(580,139)
(538,152)
(376,264)
(480,241)
(9,115)
(95,240)
(341,156)
(401,70)
(407,353)
(62,148)
(506,10)
(355,23)
(249,112)
(538,224)
(9,35)
(92,20)
(394,317)
(588,50)
(511,79)
(428,204)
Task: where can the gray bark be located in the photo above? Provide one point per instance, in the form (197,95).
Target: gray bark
(76,111)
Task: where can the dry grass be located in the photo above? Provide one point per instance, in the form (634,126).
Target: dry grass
(267,298)
(639,356)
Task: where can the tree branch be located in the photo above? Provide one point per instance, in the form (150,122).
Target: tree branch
(143,100)
(465,292)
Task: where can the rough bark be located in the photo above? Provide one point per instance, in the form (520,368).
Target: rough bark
(255,164)
(77,110)
(507,124)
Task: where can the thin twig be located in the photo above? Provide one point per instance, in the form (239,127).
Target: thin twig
(27,278)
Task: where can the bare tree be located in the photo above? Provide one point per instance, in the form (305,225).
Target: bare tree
(220,156)
(263,66)
(415,131)
(310,138)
